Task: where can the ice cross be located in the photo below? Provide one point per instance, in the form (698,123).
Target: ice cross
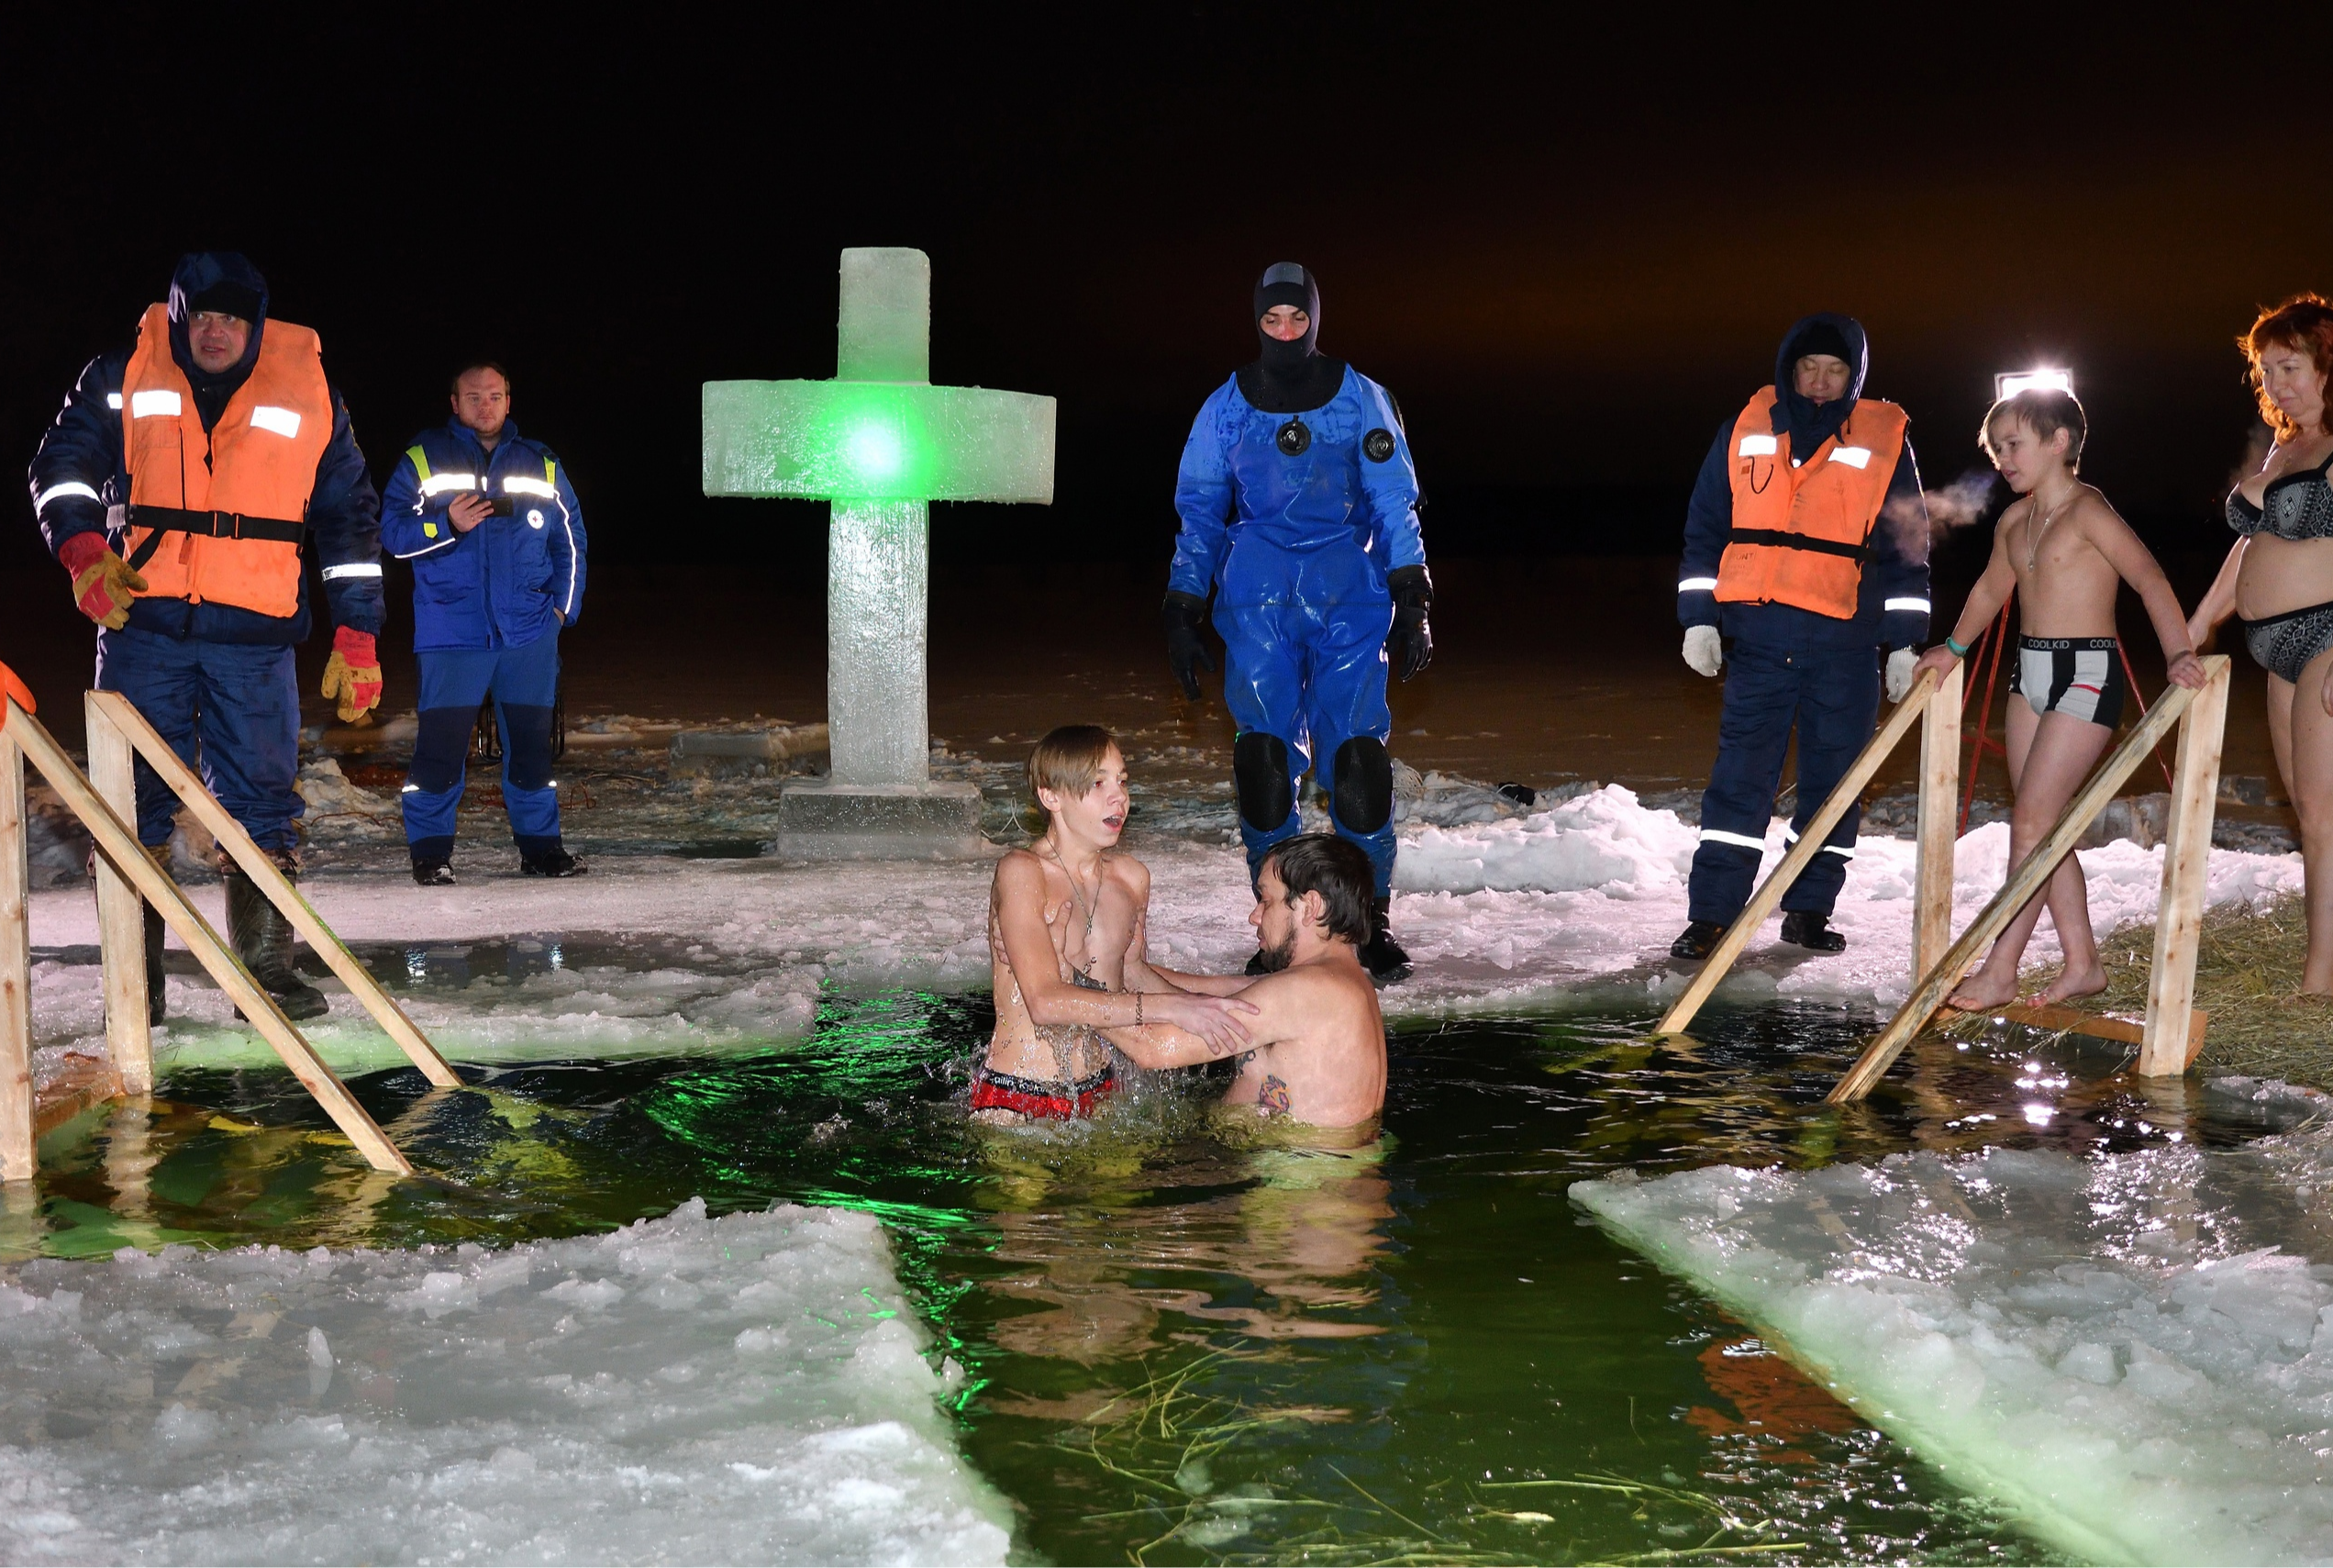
(880,442)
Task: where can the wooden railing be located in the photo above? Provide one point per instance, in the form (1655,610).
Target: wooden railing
(2169,1038)
(105,803)
(2172,1032)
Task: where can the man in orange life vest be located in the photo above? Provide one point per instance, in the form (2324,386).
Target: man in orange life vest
(1805,556)
(180,487)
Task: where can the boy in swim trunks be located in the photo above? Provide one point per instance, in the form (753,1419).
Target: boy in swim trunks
(2065,552)
(1066,939)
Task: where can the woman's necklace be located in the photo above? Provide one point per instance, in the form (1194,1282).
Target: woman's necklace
(2033,532)
(1083,908)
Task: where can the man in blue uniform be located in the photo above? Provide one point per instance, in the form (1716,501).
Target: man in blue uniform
(1299,508)
(186,547)
(496,536)
(1807,550)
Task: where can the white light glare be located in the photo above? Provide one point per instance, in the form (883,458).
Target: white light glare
(2008,383)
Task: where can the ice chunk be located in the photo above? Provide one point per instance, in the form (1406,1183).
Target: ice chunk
(2080,1339)
(495,1427)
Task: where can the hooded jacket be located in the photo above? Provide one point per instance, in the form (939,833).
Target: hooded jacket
(510,579)
(79,485)
(1892,608)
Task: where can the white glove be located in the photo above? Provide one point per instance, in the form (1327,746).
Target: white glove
(1703,650)
(1899,672)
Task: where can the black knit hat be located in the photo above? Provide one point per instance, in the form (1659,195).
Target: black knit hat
(1822,338)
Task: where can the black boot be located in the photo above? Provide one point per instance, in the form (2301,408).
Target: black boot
(1805,929)
(1380,954)
(155,1001)
(541,858)
(1698,940)
(261,938)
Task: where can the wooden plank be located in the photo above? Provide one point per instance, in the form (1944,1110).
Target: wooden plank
(2179,915)
(1802,854)
(121,914)
(80,1083)
(117,842)
(2060,1020)
(2023,882)
(16,1133)
(1939,804)
(261,868)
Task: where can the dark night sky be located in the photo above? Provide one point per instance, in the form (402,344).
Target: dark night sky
(1569,247)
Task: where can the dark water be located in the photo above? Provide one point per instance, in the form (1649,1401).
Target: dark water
(1183,1350)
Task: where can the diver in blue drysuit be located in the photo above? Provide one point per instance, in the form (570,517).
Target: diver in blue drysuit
(1299,508)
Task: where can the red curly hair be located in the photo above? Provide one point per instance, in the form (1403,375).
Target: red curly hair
(2303,322)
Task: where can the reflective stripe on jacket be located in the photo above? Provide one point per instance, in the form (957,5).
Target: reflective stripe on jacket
(257,461)
(507,581)
(1801,528)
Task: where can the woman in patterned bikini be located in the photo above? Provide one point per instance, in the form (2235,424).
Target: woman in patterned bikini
(2278,581)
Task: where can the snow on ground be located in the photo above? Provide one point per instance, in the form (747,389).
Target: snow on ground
(1524,911)
(746,1389)
(2119,1348)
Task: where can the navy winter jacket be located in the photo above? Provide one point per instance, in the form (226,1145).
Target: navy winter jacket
(1892,608)
(507,581)
(79,486)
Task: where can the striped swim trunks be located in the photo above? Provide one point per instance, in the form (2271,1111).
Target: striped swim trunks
(2078,676)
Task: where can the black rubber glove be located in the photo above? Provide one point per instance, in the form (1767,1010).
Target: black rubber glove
(1410,647)
(1186,617)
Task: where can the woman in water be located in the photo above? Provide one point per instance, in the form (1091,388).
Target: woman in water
(2278,581)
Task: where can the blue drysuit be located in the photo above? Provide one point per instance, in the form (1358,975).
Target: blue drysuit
(487,610)
(1297,548)
(1790,668)
(216,680)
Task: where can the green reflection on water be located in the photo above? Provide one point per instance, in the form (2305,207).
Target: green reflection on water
(1180,1349)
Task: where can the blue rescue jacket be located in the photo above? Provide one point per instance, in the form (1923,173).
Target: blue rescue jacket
(507,581)
(1323,526)
(1892,602)
(80,484)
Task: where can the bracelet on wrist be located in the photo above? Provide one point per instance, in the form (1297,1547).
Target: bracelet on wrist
(1137,1009)
(1959,650)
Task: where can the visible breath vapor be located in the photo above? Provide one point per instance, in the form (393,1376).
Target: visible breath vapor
(1920,522)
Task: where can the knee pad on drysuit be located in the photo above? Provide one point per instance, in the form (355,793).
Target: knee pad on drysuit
(1259,771)
(1364,791)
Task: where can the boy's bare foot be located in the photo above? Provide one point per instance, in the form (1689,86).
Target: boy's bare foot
(2072,983)
(1981,991)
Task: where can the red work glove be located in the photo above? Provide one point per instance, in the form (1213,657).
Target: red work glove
(354,674)
(12,687)
(103,583)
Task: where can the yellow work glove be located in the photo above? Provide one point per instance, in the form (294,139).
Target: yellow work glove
(354,674)
(104,585)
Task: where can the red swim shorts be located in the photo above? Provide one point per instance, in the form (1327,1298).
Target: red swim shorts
(1041,1096)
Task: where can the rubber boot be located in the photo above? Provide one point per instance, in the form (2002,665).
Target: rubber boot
(156,1002)
(261,938)
(1380,954)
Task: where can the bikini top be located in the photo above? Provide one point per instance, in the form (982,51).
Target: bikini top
(2294,506)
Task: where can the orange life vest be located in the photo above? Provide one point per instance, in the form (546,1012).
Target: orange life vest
(1802,531)
(217,516)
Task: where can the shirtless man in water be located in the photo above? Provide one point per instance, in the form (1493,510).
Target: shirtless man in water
(2065,552)
(1066,940)
(1319,1056)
